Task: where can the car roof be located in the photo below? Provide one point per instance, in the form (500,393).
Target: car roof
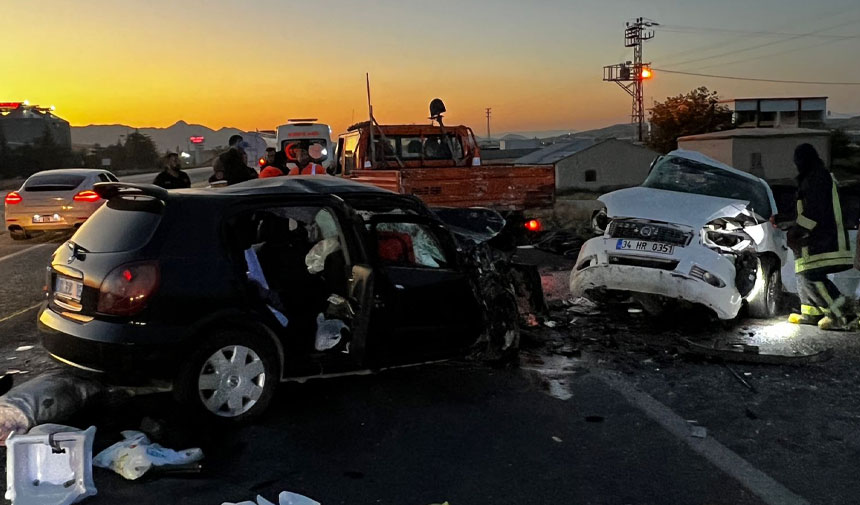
(294,184)
(71,171)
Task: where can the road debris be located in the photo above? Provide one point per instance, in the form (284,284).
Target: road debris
(50,466)
(698,431)
(556,439)
(24,348)
(135,455)
(51,397)
(740,379)
(582,306)
(750,354)
(284,498)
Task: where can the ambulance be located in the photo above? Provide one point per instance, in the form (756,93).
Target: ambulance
(313,136)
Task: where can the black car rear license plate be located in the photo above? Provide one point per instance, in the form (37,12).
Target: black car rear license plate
(68,288)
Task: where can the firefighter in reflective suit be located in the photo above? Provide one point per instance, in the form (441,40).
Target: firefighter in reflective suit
(820,244)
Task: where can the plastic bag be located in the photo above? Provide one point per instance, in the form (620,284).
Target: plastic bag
(329,333)
(135,455)
(51,397)
(285,498)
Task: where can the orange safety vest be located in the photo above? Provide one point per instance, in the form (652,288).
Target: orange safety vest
(310,169)
(270,171)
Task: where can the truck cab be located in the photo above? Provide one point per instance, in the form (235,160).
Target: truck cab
(406,146)
(313,136)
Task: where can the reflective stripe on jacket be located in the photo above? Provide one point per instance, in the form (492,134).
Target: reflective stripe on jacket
(819,212)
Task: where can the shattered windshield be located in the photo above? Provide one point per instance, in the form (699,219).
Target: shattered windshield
(674,173)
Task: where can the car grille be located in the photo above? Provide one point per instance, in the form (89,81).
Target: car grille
(660,264)
(646,231)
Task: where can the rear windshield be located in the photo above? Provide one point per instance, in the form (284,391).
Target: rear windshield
(53,182)
(122,224)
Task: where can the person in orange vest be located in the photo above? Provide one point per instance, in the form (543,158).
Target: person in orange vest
(304,166)
(270,169)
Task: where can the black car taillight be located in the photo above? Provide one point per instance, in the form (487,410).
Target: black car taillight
(127,288)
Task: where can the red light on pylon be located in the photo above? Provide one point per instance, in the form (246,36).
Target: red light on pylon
(646,73)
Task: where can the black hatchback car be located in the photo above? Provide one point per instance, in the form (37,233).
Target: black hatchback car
(226,292)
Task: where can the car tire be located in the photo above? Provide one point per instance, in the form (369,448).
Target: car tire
(19,234)
(768,302)
(230,378)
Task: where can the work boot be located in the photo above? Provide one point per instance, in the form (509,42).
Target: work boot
(795,318)
(833,323)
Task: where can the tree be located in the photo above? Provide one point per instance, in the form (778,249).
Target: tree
(693,113)
(140,152)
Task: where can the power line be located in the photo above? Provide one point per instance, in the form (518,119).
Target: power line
(736,78)
(768,55)
(766,44)
(710,47)
(762,33)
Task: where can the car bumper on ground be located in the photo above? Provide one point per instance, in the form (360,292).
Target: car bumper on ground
(595,272)
(124,350)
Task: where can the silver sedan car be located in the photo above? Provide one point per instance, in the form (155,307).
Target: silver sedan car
(52,200)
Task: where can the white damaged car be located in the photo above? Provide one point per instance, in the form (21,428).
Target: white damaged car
(695,231)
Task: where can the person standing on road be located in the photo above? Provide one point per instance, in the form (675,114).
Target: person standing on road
(820,244)
(172,177)
(304,166)
(231,166)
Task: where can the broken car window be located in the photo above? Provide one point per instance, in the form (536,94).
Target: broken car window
(409,244)
(674,173)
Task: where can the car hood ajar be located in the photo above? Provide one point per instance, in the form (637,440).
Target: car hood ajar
(670,206)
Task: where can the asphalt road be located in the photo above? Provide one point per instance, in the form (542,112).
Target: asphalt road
(596,414)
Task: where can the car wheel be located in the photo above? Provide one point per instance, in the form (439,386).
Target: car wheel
(231,378)
(767,302)
(19,234)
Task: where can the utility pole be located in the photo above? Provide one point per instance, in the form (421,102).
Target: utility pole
(489,112)
(632,74)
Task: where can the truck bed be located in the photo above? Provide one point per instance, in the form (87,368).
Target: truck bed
(500,187)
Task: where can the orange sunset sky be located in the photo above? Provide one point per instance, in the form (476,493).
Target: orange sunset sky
(538,64)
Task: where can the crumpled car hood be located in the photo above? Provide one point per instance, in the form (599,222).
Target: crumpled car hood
(670,206)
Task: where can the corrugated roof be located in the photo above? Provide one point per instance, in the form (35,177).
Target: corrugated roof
(556,152)
(504,154)
(755,133)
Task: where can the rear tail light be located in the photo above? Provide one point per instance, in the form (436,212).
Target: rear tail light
(127,289)
(87,195)
(13,198)
(533,225)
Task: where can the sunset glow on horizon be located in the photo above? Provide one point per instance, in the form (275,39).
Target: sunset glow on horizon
(538,65)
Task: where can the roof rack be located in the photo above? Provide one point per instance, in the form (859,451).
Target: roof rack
(305,120)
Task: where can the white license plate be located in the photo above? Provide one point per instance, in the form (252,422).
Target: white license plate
(644,246)
(46,219)
(68,288)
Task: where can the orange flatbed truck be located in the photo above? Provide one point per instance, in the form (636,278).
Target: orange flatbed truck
(442,166)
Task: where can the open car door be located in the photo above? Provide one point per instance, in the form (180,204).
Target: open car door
(425,302)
